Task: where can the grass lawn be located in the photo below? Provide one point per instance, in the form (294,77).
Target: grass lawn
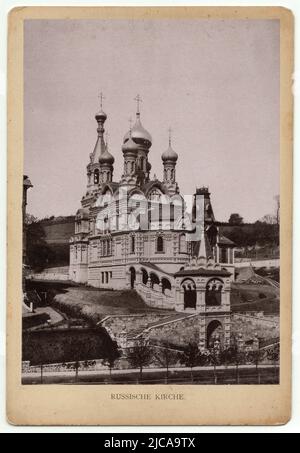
(254,298)
(95,304)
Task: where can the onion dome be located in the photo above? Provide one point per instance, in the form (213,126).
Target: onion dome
(106,157)
(169,154)
(130,145)
(139,134)
(100,116)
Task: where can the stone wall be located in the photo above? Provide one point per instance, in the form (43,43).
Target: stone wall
(115,325)
(265,327)
(178,333)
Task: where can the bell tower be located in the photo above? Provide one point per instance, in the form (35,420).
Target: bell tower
(94,167)
(169,158)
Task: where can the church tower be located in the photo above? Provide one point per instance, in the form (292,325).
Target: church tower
(106,161)
(94,166)
(169,158)
(136,145)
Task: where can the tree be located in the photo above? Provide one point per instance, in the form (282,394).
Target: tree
(270,219)
(76,351)
(38,252)
(166,357)
(235,219)
(273,355)
(190,357)
(111,356)
(227,356)
(214,358)
(140,356)
(256,356)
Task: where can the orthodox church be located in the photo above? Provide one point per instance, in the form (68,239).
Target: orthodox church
(137,232)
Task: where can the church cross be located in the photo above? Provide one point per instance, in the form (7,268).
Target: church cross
(138,99)
(170,135)
(130,124)
(101,97)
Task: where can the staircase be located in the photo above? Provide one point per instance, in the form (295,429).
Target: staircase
(136,333)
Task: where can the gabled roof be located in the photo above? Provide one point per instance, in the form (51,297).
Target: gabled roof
(202,271)
(225,241)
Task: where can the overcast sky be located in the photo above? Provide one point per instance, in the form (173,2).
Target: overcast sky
(214,82)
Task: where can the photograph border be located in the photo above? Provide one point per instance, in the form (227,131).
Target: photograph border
(93,405)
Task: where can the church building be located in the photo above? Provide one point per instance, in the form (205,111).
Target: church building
(138,232)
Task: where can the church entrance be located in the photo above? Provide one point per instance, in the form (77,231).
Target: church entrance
(132,277)
(190,294)
(214,330)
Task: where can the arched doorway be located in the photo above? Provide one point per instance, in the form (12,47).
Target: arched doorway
(132,277)
(213,330)
(166,286)
(144,276)
(154,281)
(190,294)
(213,292)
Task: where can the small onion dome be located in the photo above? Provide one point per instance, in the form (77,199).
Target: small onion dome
(130,146)
(101,116)
(169,154)
(106,157)
(139,135)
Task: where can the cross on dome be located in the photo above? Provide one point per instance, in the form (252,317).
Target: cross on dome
(101,97)
(138,100)
(170,135)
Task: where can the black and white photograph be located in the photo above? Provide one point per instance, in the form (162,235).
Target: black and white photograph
(151,202)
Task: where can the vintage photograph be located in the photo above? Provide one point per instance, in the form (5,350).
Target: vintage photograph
(151,202)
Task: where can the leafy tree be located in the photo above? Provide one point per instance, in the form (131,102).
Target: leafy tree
(110,358)
(166,357)
(227,356)
(38,252)
(256,356)
(190,357)
(273,354)
(214,359)
(235,219)
(140,356)
(29,219)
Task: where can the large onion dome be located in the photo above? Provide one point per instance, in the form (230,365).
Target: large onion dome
(129,145)
(139,134)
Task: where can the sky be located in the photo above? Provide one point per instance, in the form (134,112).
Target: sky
(214,82)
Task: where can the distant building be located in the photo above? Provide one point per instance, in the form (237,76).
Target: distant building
(26,185)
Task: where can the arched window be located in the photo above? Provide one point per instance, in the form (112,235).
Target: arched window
(145,276)
(96,176)
(155,194)
(132,244)
(159,244)
(190,294)
(213,292)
